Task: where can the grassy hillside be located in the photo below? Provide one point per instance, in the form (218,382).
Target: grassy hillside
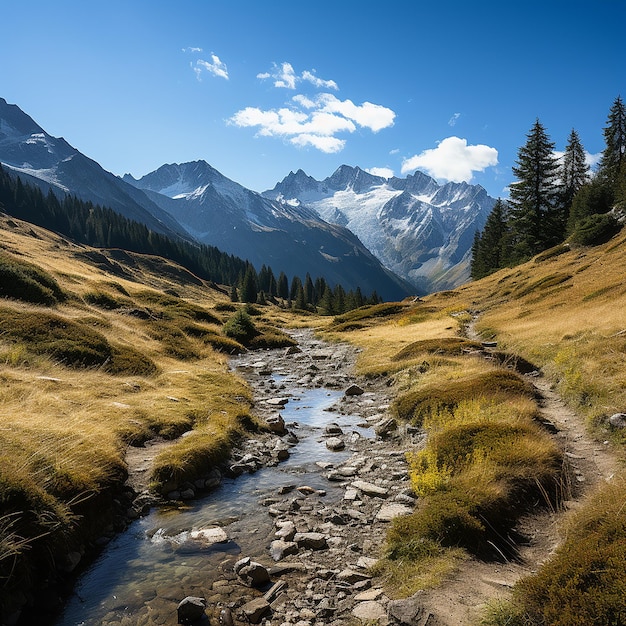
(487,460)
(105,349)
(99,350)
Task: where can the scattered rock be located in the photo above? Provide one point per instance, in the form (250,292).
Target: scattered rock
(279,549)
(311,541)
(391,510)
(410,612)
(370,611)
(191,610)
(369,489)
(354,390)
(335,443)
(255,610)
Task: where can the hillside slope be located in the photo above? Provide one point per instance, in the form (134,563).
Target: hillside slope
(99,350)
(560,318)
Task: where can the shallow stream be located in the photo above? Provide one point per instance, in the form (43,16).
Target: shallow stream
(144,572)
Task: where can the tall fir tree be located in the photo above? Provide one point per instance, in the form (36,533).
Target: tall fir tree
(612,169)
(536,214)
(249,285)
(488,249)
(574,170)
(282,287)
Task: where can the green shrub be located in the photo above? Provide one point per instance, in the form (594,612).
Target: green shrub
(595,230)
(240,327)
(24,281)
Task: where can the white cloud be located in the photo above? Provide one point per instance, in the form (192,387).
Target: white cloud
(591,160)
(315,121)
(319,82)
(384,172)
(285,76)
(453,119)
(215,66)
(453,160)
(192,50)
(368,115)
(329,145)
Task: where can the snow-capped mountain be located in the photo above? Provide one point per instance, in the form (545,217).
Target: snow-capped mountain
(419,229)
(52,163)
(291,238)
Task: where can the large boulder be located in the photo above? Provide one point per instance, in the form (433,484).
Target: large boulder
(191,610)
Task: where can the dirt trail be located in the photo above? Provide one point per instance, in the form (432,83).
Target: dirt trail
(475,585)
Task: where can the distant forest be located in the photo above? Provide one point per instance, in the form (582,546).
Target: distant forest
(101,227)
(555,199)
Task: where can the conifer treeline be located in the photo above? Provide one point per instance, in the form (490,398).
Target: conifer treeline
(553,199)
(101,227)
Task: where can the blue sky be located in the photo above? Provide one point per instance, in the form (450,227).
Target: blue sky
(258,89)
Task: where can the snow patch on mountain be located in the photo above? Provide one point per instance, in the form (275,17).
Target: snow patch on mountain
(415,227)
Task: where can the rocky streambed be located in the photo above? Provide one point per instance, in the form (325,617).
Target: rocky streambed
(299,518)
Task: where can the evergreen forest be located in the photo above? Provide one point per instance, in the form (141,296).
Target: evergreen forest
(555,199)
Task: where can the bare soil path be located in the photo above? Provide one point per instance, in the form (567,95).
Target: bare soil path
(476,585)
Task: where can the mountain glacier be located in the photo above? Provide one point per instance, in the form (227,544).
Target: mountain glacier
(419,229)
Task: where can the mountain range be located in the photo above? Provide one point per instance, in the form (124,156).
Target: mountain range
(417,228)
(394,236)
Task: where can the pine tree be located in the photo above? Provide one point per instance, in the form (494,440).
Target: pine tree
(249,285)
(612,170)
(488,250)
(536,217)
(234,296)
(574,170)
(282,287)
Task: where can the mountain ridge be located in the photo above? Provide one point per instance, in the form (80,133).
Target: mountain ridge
(419,229)
(290,238)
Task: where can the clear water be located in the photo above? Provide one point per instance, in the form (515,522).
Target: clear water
(147,570)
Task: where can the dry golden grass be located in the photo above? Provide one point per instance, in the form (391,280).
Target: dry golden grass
(120,360)
(565,313)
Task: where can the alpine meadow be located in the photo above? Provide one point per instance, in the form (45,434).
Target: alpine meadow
(364,399)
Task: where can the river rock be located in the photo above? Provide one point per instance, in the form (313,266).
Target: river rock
(276,424)
(277,401)
(333,429)
(391,510)
(311,541)
(335,443)
(370,611)
(209,536)
(255,610)
(385,427)
(354,390)
(191,610)
(369,489)
(253,574)
(286,530)
(279,549)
